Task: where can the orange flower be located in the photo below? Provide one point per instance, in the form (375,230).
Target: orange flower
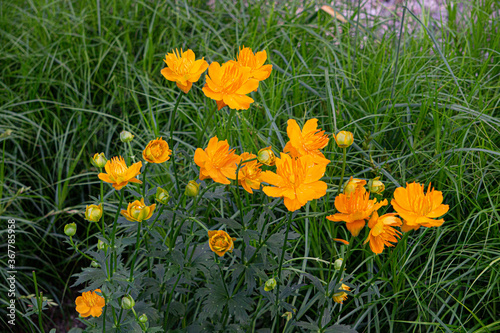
(217,161)
(137,211)
(118,174)
(157,151)
(255,62)
(354,209)
(352,184)
(341,296)
(229,85)
(249,173)
(183,69)
(306,142)
(220,242)
(90,304)
(382,231)
(418,209)
(297,180)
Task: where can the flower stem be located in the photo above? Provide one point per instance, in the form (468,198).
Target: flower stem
(137,242)
(281,264)
(77,250)
(231,115)
(172,119)
(207,121)
(113,234)
(39,303)
(344,151)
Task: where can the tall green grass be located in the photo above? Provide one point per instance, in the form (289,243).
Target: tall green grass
(75,73)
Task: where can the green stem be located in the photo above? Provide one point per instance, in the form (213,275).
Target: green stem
(144,174)
(39,302)
(280,280)
(136,251)
(205,125)
(77,250)
(344,151)
(113,234)
(102,207)
(172,120)
(231,115)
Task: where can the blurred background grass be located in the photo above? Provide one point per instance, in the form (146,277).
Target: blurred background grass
(76,73)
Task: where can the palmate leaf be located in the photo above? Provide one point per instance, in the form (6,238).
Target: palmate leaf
(96,276)
(238,306)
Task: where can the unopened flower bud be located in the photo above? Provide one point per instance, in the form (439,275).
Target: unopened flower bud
(95,264)
(266,156)
(192,188)
(352,184)
(70,229)
(101,245)
(93,213)
(126,136)
(288,315)
(338,264)
(143,318)
(6,134)
(162,196)
(344,139)
(99,160)
(270,284)
(376,186)
(128,302)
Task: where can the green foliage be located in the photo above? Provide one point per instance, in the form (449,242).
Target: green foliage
(422,107)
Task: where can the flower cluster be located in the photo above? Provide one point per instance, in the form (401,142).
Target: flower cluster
(227,84)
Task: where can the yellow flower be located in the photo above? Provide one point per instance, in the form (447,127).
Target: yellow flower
(183,69)
(341,296)
(352,184)
(229,85)
(249,173)
(157,151)
(255,62)
(192,188)
(93,213)
(270,284)
(99,160)
(266,156)
(382,231)
(217,161)
(220,242)
(344,139)
(418,209)
(376,186)
(306,142)
(90,304)
(118,174)
(354,209)
(297,180)
(137,211)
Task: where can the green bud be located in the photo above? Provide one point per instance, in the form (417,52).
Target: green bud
(192,188)
(162,196)
(95,264)
(101,245)
(143,318)
(70,229)
(126,136)
(128,302)
(270,284)
(99,160)
(338,264)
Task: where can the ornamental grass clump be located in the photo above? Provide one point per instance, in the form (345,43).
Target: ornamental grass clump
(226,233)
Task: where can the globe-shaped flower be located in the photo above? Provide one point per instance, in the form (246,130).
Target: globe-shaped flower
(93,213)
(118,174)
(157,151)
(229,85)
(220,242)
(183,69)
(297,180)
(90,304)
(137,211)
